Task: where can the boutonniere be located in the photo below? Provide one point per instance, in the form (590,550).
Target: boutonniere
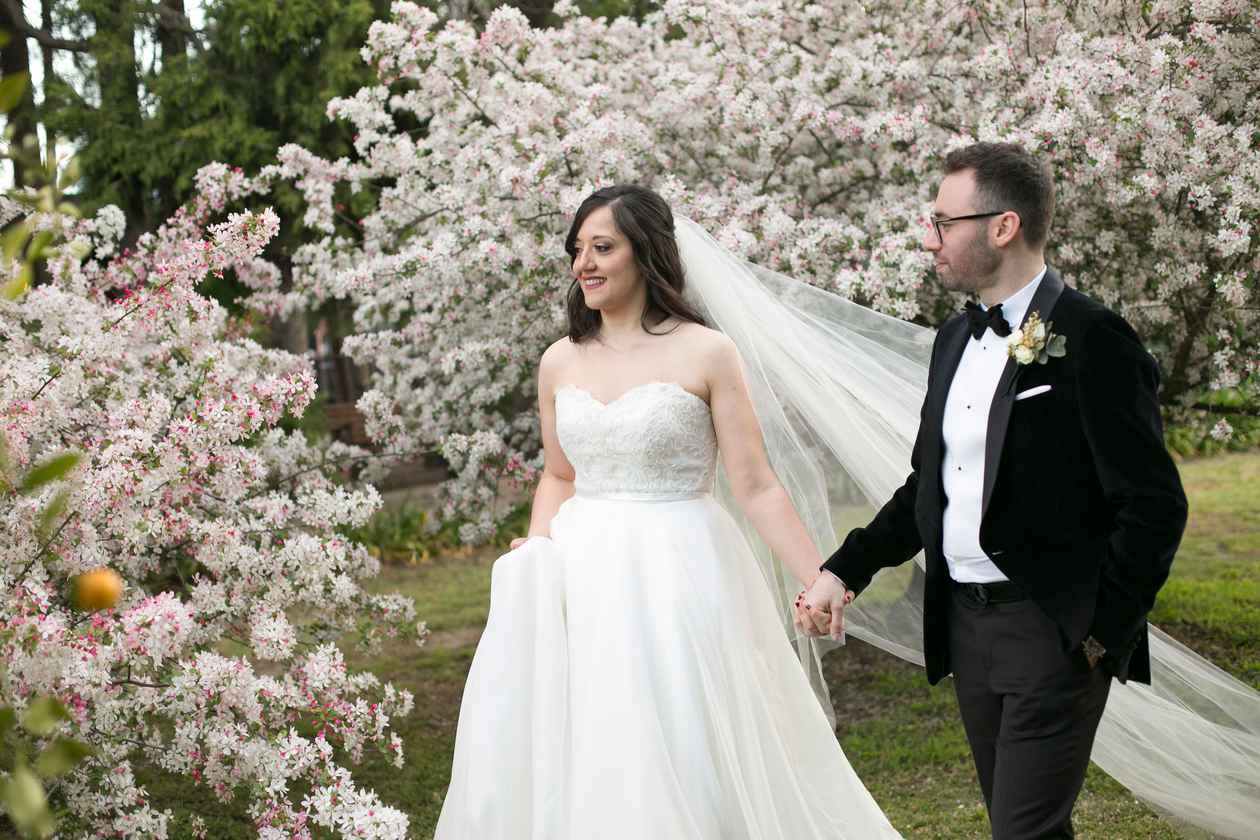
(1034,342)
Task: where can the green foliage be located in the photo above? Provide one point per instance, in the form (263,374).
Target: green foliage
(20,242)
(54,468)
(22,795)
(259,75)
(611,9)
(264,80)
(1189,428)
(406,534)
(11,89)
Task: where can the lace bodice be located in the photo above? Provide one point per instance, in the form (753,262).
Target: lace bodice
(655,440)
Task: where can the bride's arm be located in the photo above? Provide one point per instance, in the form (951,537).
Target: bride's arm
(756,487)
(556,483)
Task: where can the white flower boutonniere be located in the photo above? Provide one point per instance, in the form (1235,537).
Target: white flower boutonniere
(1034,342)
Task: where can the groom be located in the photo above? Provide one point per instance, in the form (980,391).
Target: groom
(1040,491)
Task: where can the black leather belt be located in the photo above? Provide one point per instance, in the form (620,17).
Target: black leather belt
(1001,592)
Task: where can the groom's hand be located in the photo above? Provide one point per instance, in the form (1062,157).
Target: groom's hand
(822,609)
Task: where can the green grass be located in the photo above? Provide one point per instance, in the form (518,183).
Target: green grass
(452,595)
(1212,599)
(906,742)
(902,735)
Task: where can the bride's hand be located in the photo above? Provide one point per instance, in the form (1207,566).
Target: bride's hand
(821,611)
(517,543)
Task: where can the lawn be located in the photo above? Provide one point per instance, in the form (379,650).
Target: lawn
(903,736)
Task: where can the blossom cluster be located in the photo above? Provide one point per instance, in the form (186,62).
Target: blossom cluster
(807,137)
(220,660)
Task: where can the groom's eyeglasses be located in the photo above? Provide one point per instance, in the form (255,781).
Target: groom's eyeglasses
(938,221)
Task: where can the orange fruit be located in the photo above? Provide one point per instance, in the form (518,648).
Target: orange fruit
(97,589)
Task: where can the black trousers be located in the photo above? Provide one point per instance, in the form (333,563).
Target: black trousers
(1030,711)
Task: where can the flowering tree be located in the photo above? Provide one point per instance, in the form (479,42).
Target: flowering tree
(807,137)
(224,528)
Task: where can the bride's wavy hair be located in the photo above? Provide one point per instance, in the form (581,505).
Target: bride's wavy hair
(645,219)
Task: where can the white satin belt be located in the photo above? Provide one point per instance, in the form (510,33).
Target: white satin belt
(640,497)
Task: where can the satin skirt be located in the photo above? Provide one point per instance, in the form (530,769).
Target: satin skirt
(635,682)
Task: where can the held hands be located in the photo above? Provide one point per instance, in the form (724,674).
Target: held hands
(820,607)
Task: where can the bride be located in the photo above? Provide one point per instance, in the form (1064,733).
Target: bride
(634,679)
(639,676)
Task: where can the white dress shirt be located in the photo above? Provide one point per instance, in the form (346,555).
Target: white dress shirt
(964,428)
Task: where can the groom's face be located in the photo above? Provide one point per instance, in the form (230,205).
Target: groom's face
(963,257)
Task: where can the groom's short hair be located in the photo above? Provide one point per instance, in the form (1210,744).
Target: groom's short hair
(1009,178)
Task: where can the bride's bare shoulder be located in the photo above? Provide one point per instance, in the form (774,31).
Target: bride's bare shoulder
(556,358)
(558,350)
(705,341)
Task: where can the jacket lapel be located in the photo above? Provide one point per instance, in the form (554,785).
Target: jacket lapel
(952,346)
(1046,296)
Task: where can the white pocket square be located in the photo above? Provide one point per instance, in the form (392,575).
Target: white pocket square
(1031,392)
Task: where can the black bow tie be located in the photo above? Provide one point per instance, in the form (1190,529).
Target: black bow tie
(982,319)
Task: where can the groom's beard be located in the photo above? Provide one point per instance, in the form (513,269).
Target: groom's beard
(973,269)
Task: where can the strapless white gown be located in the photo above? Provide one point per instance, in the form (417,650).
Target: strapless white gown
(634,681)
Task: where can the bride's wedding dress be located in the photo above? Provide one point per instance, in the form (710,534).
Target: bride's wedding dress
(635,679)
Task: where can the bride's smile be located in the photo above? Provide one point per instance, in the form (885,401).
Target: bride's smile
(604,265)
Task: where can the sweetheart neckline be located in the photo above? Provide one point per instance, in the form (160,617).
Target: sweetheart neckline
(631,390)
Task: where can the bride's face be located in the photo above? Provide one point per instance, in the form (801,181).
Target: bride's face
(604,264)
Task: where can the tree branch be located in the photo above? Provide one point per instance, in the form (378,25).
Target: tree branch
(175,22)
(1027,34)
(44,548)
(45,39)
(1213,408)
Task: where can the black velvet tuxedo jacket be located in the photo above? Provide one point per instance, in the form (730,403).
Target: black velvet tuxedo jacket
(1082,506)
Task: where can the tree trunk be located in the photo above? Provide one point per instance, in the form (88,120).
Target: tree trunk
(172,36)
(16,58)
(292,333)
(538,12)
(46,23)
(119,81)
(459,9)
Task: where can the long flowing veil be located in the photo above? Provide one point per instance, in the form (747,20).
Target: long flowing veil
(838,389)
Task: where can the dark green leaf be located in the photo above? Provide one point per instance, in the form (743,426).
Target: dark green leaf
(38,244)
(54,468)
(60,757)
(43,715)
(11,89)
(8,720)
(18,285)
(50,514)
(70,175)
(23,797)
(7,479)
(14,240)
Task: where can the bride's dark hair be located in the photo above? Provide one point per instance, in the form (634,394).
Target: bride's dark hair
(645,219)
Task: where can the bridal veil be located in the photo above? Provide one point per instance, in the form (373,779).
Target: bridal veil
(838,389)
